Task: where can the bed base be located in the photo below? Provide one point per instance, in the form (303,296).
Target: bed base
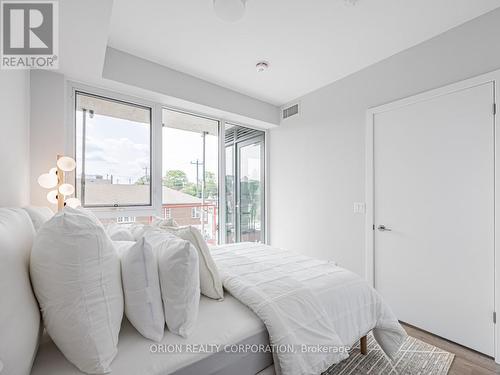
(363,345)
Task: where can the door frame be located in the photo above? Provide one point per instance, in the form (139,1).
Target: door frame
(492,77)
(260,139)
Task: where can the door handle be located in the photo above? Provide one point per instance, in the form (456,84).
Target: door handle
(383,228)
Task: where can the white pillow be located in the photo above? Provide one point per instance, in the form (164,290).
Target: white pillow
(141,287)
(210,282)
(90,214)
(122,246)
(20,321)
(118,232)
(75,273)
(39,215)
(179,280)
(138,230)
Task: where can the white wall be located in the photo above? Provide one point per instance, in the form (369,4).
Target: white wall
(47,131)
(190,93)
(14,138)
(317,161)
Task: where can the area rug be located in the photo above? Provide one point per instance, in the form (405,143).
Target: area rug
(414,358)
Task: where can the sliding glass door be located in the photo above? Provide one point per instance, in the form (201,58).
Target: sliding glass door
(245,166)
(250,206)
(230,178)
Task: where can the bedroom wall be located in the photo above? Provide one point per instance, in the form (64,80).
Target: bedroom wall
(188,92)
(14,138)
(317,160)
(47,131)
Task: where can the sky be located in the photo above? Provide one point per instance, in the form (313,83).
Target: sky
(122,148)
(181,147)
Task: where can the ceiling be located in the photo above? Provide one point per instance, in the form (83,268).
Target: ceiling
(309,43)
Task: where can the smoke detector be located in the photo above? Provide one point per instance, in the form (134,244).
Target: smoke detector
(262,66)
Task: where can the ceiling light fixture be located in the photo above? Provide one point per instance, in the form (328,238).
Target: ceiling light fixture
(350,3)
(230,10)
(262,66)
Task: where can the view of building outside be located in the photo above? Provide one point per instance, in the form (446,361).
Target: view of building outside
(251,193)
(190,171)
(113,154)
(244,193)
(113,149)
(229,178)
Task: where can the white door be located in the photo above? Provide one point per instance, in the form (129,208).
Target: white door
(434,192)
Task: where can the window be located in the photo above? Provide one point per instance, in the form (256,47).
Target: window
(191,171)
(125,219)
(168,213)
(113,152)
(195,213)
(244,179)
(230,191)
(146,220)
(119,143)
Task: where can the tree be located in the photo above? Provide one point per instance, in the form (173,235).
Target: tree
(210,185)
(144,180)
(190,189)
(250,202)
(175,179)
(178,180)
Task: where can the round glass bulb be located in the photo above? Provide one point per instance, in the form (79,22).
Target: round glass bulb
(66,189)
(53,171)
(73,202)
(230,10)
(52,196)
(66,163)
(48,180)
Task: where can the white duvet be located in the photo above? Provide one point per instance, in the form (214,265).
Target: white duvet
(310,305)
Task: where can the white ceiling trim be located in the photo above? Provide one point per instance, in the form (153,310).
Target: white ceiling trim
(191,93)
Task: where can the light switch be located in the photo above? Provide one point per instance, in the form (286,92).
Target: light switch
(359,207)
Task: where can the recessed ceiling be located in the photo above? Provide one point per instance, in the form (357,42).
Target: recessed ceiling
(308,43)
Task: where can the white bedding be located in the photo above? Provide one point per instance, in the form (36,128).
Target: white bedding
(306,301)
(226,322)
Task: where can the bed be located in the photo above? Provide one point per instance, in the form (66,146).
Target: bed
(349,307)
(304,300)
(226,322)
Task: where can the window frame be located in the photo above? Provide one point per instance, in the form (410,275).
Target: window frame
(222,168)
(263,204)
(82,187)
(221,123)
(125,219)
(196,212)
(154,207)
(156,149)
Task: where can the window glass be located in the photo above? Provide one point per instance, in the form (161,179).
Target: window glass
(190,171)
(244,179)
(251,193)
(113,152)
(230,203)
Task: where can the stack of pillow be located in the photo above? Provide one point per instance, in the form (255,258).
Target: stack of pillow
(85,276)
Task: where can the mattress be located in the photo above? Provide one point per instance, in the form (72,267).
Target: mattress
(219,323)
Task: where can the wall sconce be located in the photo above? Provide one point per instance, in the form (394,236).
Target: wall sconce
(55,179)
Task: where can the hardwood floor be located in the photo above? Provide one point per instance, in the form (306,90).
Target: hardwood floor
(466,362)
